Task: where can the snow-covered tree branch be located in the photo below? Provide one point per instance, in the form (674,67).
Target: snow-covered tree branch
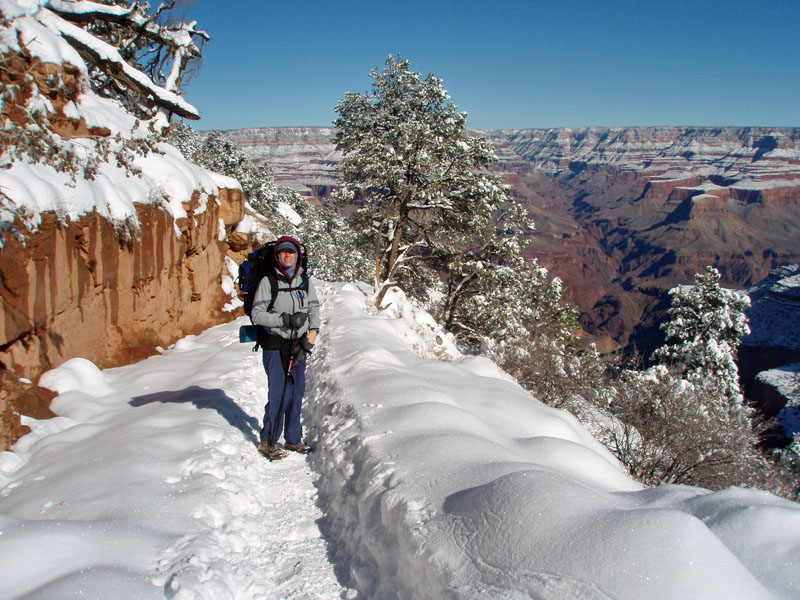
(56,54)
(128,51)
(108,59)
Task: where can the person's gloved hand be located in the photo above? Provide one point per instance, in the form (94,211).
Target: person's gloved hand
(299,319)
(304,349)
(306,345)
(294,321)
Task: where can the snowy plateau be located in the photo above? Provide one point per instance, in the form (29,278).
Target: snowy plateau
(430,478)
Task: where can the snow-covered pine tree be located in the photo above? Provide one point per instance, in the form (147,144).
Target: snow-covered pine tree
(185,139)
(443,228)
(413,169)
(707,323)
(685,420)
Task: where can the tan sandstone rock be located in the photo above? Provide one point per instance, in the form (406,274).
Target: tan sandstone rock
(79,289)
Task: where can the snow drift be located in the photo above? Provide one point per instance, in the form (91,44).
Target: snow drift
(446,479)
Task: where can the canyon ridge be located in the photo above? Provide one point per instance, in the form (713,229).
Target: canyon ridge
(621,214)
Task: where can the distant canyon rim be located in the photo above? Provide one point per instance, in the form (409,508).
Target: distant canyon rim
(622,214)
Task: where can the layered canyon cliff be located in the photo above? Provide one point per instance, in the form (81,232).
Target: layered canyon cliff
(77,288)
(622,214)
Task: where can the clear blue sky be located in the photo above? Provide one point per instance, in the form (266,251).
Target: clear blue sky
(508,64)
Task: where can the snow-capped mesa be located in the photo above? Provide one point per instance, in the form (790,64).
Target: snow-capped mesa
(434,476)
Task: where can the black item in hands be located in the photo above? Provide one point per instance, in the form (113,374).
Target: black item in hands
(294,321)
(299,319)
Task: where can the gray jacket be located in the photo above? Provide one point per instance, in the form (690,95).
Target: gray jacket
(286,302)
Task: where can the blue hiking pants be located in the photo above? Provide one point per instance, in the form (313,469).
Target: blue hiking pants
(292,401)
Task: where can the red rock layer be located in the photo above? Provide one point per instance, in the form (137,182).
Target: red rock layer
(79,289)
(20,398)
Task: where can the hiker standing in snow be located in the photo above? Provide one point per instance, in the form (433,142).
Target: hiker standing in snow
(290,322)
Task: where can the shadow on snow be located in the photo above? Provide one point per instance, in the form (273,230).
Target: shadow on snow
(212,398)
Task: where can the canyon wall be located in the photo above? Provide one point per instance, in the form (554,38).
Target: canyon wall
(304,159)
(111,243)
(80,288)
(769,356)
(622,214)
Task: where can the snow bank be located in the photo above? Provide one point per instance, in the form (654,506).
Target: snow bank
(34,36)
(440,481)
(166,179)
(289,213)
(256,225)
(148,485)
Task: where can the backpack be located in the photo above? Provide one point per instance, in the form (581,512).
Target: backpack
(259,264)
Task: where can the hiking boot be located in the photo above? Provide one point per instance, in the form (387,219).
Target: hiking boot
(300,448)
(271,452)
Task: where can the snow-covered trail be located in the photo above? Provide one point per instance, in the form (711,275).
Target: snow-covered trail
(150,486)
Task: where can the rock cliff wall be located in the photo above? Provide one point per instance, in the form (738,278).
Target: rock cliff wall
(304,159)
(77,288)
(769,357)
(111,243)
(774,338)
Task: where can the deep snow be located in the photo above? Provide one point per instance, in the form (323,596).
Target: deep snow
(431,478)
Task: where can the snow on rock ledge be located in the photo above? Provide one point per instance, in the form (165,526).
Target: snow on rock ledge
(111,267)
(77,288)
(102,258)
(167,181)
